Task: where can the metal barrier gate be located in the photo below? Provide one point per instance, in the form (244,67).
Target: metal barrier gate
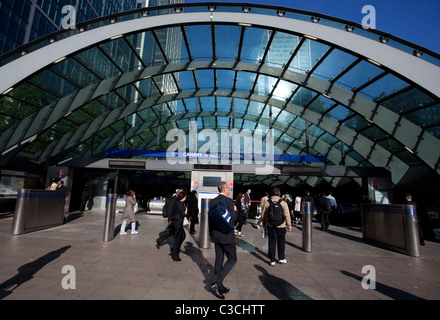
(37,210)
(393,226)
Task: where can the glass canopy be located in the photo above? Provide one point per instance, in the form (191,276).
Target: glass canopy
(220,76)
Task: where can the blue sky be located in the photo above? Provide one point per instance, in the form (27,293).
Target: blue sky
(417,21)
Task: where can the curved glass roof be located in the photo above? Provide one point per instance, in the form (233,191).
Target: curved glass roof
(128,90)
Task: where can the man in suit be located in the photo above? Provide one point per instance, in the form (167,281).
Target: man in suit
(60,186)
(224,242)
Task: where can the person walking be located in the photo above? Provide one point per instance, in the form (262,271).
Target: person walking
(297,210)
(193,211)
(247,203)
(325,207)
(129,216)
(84,197)
(241,210)
(262,204)
(224,242)
(168,207)
(276,208)
(179,212)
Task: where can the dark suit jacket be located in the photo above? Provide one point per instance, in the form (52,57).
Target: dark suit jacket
(216,235)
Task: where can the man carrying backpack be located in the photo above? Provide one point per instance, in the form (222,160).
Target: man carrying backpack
(276,217)
(223,238)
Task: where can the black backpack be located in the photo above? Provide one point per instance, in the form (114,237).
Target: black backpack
(275,214)
(168,207)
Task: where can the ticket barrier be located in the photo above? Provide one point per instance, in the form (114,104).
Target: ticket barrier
(37,209)
(393,226)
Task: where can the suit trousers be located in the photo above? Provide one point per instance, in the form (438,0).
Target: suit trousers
(221,271)
(277,242)
(179,236)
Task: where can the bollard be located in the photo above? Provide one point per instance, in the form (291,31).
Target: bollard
(204,240)
(307,227)
(110,213)
(20,214)
(411,224)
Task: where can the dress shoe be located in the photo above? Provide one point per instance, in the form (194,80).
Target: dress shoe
(224,290)
(215,288)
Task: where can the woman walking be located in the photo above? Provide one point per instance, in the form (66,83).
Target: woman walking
(241,210)
(179,212)
(128,216)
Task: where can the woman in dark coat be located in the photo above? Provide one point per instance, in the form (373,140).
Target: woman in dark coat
(241,210)
(179,212)
(129,216)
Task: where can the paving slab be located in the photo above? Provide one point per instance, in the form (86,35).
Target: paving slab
(131,267)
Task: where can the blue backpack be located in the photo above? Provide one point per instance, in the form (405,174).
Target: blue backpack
(220,216)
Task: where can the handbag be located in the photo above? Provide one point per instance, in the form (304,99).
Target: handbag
(185,221)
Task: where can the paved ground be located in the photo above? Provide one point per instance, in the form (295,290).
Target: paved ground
(131,267)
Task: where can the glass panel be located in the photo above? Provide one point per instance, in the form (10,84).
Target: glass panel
(321,104)
(284,90)
(257,108)
(225,79)
(425,116)
(186,81)
(205,79)
(360,74)
(207,104)
(75,71)
(171,41)
(302,97)
(356,122)
(333,65)
(245,81)
(374,133)
(308,55)
(264,85)
(339,113)
(147,48)
(285,118)
(254,44)
(200,50)
(227,39)
(407,100)
(282,47)
(121,54)
(383,87)
(98,62)
(224,104)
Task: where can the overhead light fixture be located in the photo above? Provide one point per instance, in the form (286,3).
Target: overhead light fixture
(349,28)
(112,20)
(60,59)
(281,13)
(246,9)
(178,9)
(315,19)
(7,91)
(116,37)
(383,40)
(310,37)
(409,149)
(145,14)
(417,53)
(374,62)
(211,10)
(245,24)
